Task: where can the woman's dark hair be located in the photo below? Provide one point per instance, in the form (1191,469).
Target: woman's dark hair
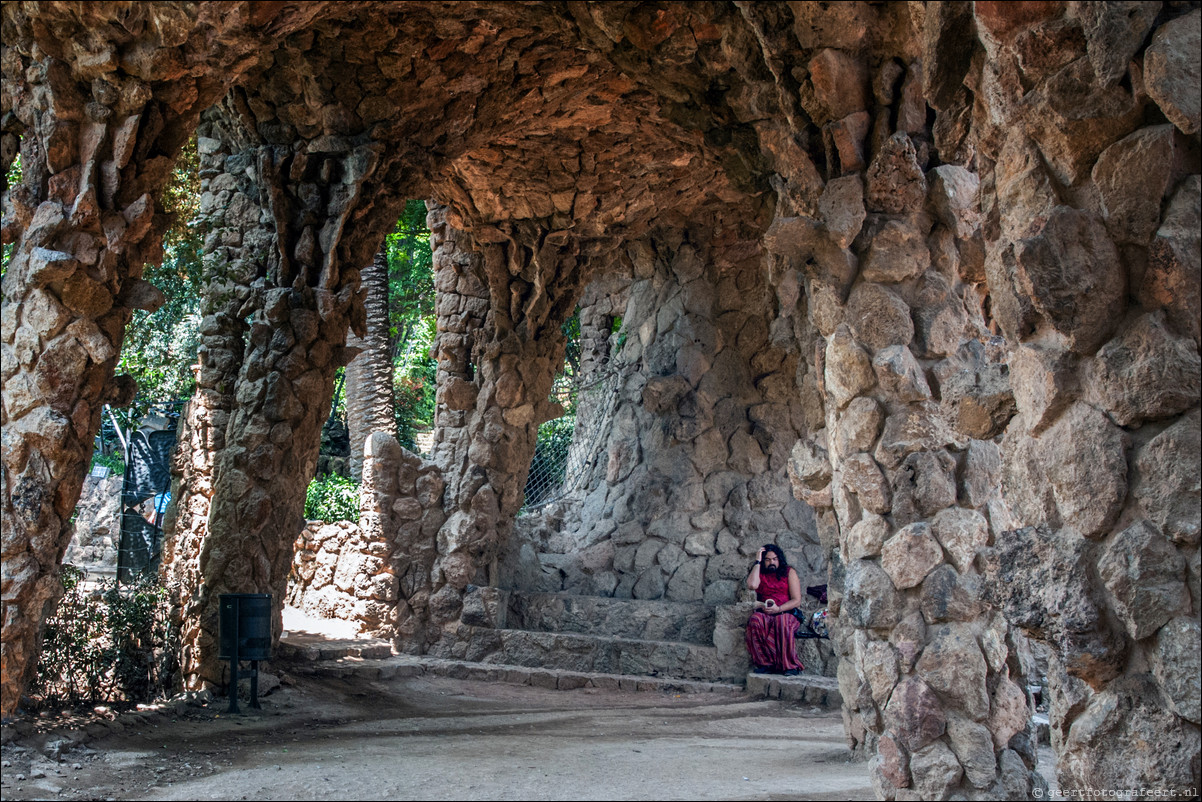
(783,570)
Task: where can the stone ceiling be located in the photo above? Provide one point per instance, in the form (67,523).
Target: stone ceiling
(598,120)
(512,112)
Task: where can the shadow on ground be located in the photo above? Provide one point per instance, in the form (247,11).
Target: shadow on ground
(438,738)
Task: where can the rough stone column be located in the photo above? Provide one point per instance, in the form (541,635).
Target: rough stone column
(932,679)
(235,251)
(462,304)
(97,145)
(72,285)
(1092,194)
(534,281)
(300,297)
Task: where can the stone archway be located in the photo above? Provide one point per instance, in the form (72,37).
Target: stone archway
(935,174)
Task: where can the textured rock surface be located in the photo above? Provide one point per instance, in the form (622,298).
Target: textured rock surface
(1133,176)
(1175,664)
(97,526)
(1071,274)
(1146,373)
(1173,278)
(1173,67)
(370,571)
(1146,578)
(826,229)
(1038,579)
(1124,721)
(910,555)
(1169,486)
(1087,466)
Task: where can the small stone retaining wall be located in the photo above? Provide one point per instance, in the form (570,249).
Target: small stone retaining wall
(354,571)
(97,526)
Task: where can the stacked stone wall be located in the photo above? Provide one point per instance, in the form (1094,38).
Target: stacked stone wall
(97,526)
(914,392)
(690,476)
(990,209)
(370,571)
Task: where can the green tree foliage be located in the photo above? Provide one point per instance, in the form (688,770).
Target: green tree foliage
(12,178)
(412,325)
(412,321)
(160,347)
(571,351)
(414,384)
(410,271)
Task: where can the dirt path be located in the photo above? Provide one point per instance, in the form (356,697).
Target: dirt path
(434,738)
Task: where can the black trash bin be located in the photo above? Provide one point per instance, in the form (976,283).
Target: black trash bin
(245,634)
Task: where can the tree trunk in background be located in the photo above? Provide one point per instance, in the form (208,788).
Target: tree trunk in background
(369,397)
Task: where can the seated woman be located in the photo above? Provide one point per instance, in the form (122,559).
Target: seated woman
(772,627)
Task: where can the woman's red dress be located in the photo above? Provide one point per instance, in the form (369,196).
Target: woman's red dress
(771,639)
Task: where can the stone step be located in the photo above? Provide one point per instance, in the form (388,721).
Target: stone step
(604,654)
(309,648)
(804,688)
(405,666)
(622,618)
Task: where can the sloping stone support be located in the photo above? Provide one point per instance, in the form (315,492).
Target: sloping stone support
(298,292)
(533,282)
(689,479)
(601,308)
(100,126)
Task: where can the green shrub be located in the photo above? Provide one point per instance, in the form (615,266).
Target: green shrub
(113,462)
(107,643)
(414,410)
(332,498)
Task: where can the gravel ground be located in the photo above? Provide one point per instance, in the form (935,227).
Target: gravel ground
(438,738)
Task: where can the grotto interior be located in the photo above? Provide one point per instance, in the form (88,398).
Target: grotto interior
(909,289)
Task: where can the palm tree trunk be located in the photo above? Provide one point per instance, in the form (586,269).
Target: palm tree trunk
(369,397)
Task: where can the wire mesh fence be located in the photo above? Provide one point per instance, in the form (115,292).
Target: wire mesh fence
(567,446)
